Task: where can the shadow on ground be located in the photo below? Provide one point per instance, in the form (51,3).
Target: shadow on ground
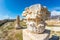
(21,28)
(54,37)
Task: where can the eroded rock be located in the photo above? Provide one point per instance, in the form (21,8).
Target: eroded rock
(35,16)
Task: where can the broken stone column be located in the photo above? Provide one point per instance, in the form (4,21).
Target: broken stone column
(35,17)
(27,35)
(17,25)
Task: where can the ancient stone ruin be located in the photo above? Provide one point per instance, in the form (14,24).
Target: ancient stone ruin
(35,17)
(17,24)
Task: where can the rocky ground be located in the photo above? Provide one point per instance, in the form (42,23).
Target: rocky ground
(8,32)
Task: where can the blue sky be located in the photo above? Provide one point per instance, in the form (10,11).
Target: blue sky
(12,8)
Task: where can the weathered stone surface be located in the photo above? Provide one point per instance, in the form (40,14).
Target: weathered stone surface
(31,26)
(17,24)
(27,35)
(35,16)
(36,10)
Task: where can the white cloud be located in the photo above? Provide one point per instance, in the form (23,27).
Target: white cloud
(54,12)
(56,8)
(5,17)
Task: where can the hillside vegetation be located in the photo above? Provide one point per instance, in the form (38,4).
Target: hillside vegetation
(8,32)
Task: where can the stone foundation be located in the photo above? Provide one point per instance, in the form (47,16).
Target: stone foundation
(27,35)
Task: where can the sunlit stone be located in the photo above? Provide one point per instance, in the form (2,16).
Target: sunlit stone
(35,16)
(17,24)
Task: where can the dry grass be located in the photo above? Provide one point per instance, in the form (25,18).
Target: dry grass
(9,32)
(17,34)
